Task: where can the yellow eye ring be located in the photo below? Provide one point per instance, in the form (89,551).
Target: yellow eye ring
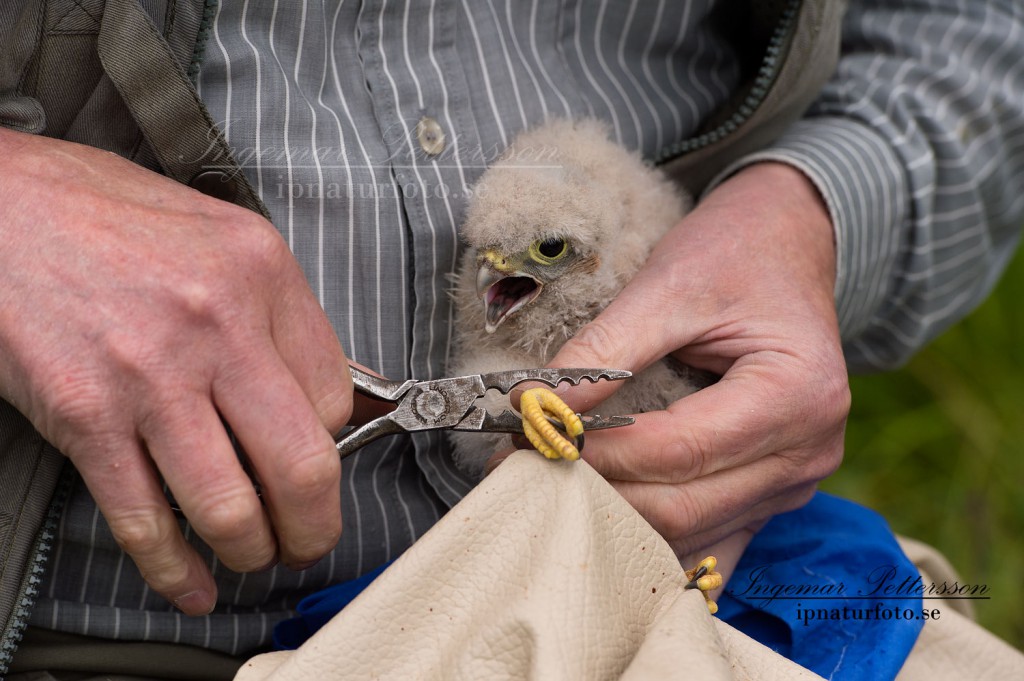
(549,250)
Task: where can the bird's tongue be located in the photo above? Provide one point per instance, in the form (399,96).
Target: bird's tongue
(506,296)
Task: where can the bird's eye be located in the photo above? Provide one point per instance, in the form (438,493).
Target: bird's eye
(549,250)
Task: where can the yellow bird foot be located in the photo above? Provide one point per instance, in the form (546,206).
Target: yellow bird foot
(705,578)
(541,408)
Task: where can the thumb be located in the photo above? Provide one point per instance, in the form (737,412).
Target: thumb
(624,336)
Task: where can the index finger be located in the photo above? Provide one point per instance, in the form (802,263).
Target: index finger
(309,347)
(753,412)
(291,451)
(627,335)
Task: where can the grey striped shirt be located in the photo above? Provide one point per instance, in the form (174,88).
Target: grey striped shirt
(917,145)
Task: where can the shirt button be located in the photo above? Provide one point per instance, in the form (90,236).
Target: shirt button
(215,183)
(430,135)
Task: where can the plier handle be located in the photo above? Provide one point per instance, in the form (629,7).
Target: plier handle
(451,403)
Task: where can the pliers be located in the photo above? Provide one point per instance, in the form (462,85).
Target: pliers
(452,403)
(446,403)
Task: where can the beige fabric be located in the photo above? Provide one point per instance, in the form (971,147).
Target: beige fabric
(953,647)
(545,572)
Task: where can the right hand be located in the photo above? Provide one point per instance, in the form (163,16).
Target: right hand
(135,314)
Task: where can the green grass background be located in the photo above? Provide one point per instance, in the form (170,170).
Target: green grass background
(938,449)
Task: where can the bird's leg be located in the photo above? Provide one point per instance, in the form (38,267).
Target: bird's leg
(704,578)
(536,405)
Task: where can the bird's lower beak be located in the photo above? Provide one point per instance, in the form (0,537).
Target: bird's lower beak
(503,293)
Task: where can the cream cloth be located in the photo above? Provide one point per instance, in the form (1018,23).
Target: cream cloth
(544,572)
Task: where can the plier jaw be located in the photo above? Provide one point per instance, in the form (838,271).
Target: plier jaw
(451,403)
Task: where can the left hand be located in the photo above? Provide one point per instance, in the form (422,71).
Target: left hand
(742,287)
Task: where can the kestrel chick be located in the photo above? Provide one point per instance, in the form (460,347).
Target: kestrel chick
(555,228)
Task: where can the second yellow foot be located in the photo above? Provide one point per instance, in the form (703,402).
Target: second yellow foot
(704,578)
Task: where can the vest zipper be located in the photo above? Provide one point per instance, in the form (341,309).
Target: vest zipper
(771,64)
(205,25)
(36,567)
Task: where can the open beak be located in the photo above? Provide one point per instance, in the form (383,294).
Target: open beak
(503,292)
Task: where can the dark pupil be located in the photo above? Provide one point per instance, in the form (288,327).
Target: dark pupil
(551,248)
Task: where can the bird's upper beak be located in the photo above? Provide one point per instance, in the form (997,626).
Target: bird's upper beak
(503,288)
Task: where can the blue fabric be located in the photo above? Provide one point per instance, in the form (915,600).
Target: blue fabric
(850,610)
(315,610)
(840,551)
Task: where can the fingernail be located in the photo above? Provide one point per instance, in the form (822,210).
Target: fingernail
(194,603)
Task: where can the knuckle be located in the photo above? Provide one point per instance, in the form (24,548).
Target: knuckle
(809,466)
(834,392)
(316,547)
(167,576)
(263,245)
(200,301)
(842,400)
(130,355)
(312,473)
(676,283)
(689,455)
(831,387)
(824,463)
(216,290)
(200,304)
(596,341)
(143,535)
(335,408)
(78,402)
(68,389)
(822,405)
(224,518)
(683,514)
(797,499)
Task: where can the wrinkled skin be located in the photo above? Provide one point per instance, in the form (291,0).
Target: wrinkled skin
(134,314)
(742,287)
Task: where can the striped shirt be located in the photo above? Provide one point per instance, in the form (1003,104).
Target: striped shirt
(917,145)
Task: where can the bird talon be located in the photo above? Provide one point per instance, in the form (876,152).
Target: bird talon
(704,578)
(539,406)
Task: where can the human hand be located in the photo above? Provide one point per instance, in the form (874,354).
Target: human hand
(743,288)
(135,314)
